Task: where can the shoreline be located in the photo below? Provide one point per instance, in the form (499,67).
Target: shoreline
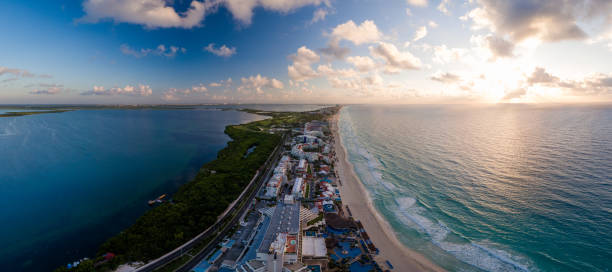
(353,193)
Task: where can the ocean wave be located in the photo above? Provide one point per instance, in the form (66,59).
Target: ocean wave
(410,214)
(475,254)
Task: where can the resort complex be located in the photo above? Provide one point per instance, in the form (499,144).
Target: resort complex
(297,222)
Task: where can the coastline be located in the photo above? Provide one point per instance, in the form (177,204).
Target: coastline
(353,194)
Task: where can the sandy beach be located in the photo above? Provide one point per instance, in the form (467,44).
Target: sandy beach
(354,195)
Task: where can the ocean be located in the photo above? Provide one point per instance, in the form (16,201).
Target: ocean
(490,188)
(69,181)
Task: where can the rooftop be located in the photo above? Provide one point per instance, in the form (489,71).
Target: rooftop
(286,219)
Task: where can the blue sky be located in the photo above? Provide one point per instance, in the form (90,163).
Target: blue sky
(272,51)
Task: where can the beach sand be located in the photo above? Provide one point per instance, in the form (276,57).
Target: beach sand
(354,195)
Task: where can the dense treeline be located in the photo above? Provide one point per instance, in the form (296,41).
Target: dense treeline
(198,203)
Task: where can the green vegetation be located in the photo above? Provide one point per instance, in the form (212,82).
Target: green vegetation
(281,120)
(314,221)
(197,204)
(175,264)
(24,113)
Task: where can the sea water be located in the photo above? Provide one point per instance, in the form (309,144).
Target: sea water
(69,181)
(490,188)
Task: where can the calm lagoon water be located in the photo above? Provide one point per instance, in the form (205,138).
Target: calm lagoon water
(69,181)
(496,188)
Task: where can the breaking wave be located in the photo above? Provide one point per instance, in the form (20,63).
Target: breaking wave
(406,209)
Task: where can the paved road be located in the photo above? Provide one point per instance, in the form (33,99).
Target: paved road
(212,246)
(257,181)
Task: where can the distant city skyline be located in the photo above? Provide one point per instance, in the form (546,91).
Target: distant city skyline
(305,51)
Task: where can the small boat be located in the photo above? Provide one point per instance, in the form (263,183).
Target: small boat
(159,199)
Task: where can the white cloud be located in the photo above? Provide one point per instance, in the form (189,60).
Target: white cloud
(494,46)
(540,76)
(319,15)
(48,89)
(499,47)
(362,63)
(443,54)
(158,13)
(259,83)
(328,71)
(419,3)
(443,7)
(140,90)
(242,10)
(334,50)
(160,50)
(222,51)
(17,72)
(547,20)
(360,84)
(366,32)
(222,83)
(420,33)
(446,78)
(395,60)
(174,94)
(301,68)
(517,93)
(150,13)
(432,24)
(408,12)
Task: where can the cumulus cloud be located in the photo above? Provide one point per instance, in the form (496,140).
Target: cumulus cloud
(319,15)
(259,83)
(161,14)
(419,3)
(395,60)
(150,13)
(362,64)
(301,68)
(517,93)
(11,71)
(140,90)
(443,54)
(361,84)
(443,7)
(540,75)
(446,78)
(548,20)
(48,89)
(594,84)
(174,94)
(366,32)
(334,50)
(499,47)
(329,71)
(221,83)
(420,33)
(222,51)
(160,50)
(16,73)
(242,10)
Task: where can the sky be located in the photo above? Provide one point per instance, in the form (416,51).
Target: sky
(305,51)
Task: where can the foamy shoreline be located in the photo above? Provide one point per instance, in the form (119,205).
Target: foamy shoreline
(357,198)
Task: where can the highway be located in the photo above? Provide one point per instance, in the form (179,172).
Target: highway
(219,229)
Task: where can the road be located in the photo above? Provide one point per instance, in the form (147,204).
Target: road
(220,225)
